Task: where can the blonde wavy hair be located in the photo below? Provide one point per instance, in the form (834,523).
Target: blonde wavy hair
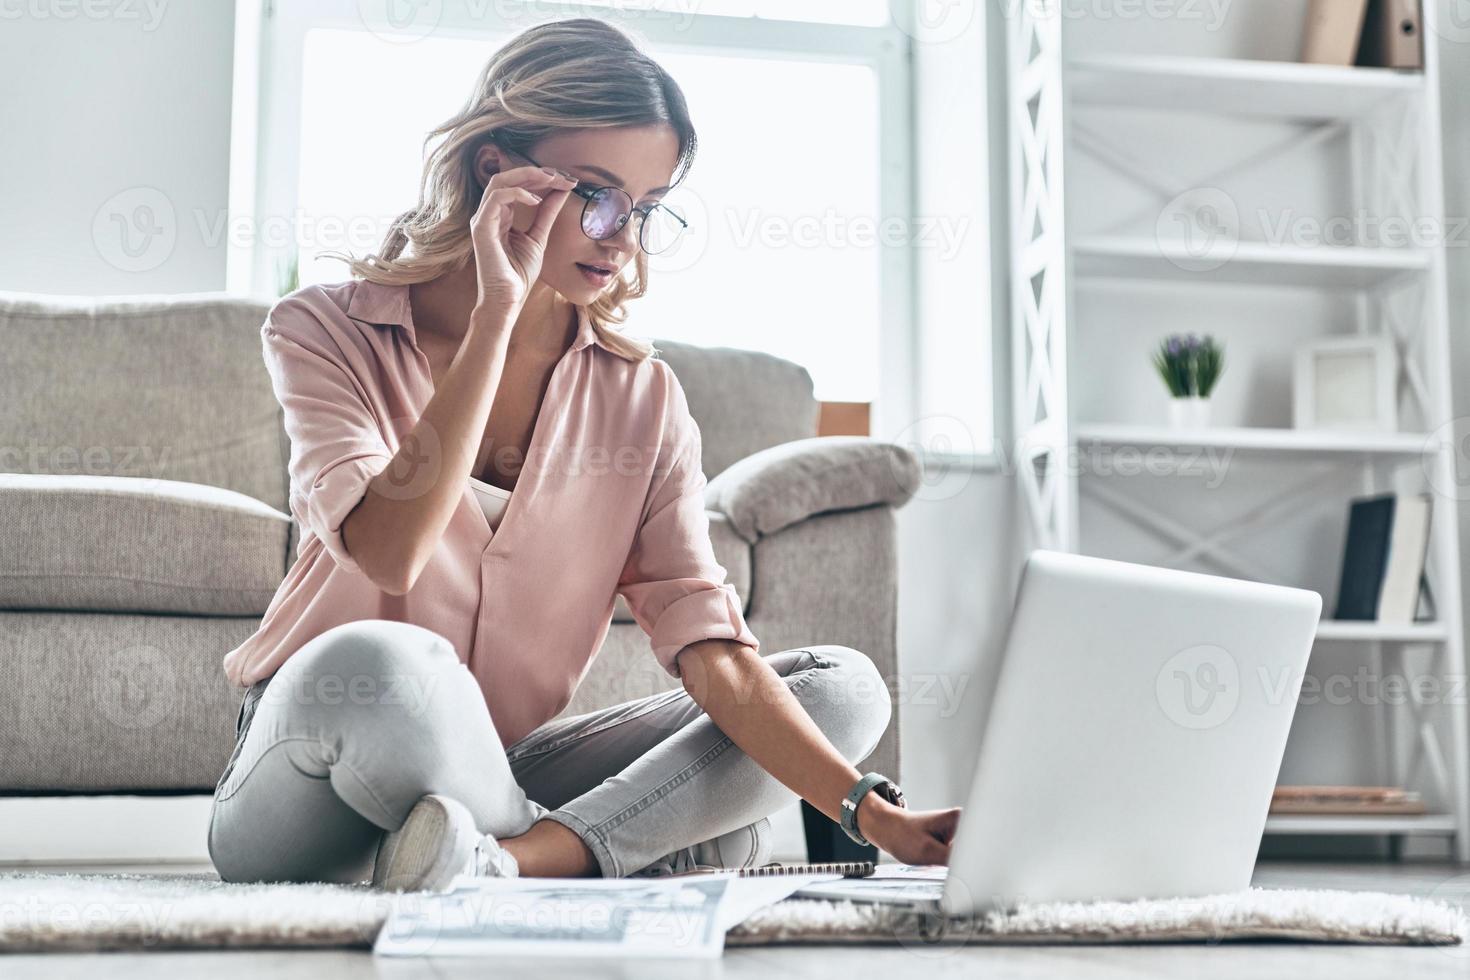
(564,74)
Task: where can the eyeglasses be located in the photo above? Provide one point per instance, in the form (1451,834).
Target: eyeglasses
(608,209)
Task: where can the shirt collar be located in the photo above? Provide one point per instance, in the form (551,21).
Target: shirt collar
(380,303)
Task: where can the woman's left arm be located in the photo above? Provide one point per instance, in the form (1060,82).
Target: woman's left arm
(677,592)
(750,703)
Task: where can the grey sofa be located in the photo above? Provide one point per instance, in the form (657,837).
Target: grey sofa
(144,529)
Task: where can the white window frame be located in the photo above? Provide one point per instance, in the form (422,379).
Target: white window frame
(270,37)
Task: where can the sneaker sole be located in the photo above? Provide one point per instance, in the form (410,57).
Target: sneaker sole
(427,852)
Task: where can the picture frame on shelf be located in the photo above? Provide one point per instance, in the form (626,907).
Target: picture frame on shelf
(1346,384)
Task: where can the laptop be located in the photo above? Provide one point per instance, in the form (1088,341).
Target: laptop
(1132,742)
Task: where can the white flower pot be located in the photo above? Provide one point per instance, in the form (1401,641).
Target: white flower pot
(1189,413)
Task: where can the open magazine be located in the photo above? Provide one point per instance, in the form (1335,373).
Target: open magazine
(673,917)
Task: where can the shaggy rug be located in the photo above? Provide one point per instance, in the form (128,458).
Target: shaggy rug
(54,912)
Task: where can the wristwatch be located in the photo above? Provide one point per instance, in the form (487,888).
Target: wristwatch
(885,787)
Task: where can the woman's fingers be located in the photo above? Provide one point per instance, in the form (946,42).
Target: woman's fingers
(531,178)
(546,214)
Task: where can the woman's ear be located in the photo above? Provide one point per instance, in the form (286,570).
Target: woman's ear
(488,162)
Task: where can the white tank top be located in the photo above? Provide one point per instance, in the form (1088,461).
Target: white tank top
(493,501)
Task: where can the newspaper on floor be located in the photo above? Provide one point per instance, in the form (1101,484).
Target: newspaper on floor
(672,917)
(897,884)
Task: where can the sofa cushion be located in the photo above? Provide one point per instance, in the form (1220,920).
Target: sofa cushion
(168,387)
(127,544)
(730,551)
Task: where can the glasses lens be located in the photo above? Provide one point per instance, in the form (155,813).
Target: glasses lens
(661,230)
(606,213)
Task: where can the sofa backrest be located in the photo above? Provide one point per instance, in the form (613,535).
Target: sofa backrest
(743,400)
(158,387)
(174,387)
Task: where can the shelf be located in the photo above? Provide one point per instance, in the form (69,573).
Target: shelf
(1326,266)
(1251,439)
(1351,630)
(1298,823)
(1265,89)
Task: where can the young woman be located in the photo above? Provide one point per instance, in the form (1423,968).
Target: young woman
(446,600)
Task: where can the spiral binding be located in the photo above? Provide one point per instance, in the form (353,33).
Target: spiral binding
(848,869)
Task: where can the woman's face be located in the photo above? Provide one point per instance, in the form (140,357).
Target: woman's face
(638,159)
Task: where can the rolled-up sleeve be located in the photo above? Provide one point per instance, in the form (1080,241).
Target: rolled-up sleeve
(672,582)
(336,443)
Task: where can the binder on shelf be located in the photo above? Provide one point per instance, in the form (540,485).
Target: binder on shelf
(1333,31)
(1393,35)
(1408,545)
(1382,575)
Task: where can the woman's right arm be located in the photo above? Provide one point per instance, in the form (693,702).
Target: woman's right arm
(394,530)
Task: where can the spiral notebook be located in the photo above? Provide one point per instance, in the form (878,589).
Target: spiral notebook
(848,869)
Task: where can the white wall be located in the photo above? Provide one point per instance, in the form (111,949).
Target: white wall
(116,120)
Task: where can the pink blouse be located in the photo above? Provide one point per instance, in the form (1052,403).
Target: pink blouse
(609,500)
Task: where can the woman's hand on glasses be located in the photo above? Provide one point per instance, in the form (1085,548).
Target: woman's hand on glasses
(507,259)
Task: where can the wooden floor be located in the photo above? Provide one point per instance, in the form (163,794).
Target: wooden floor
(1301,962)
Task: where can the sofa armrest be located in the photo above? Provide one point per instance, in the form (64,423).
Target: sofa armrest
(777,487)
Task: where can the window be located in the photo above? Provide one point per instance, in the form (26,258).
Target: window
(784,206)
(803,174)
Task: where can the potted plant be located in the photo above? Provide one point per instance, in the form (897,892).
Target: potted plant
(1190,366)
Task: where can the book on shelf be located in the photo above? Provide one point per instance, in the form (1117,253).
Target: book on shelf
(1382,574)
(1333,31)
(1392,35)
(1346,800)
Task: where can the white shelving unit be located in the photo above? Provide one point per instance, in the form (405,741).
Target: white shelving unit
(1389,121)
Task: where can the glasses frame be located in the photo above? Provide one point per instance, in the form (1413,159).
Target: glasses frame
(588,192)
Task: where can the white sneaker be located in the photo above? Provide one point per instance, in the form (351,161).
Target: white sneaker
(438,842)
(744,847)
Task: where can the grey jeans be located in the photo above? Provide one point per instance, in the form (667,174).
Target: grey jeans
(334,749)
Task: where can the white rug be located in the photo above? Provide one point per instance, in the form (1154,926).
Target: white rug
(52,912)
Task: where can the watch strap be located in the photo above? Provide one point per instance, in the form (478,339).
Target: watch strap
(850,804)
